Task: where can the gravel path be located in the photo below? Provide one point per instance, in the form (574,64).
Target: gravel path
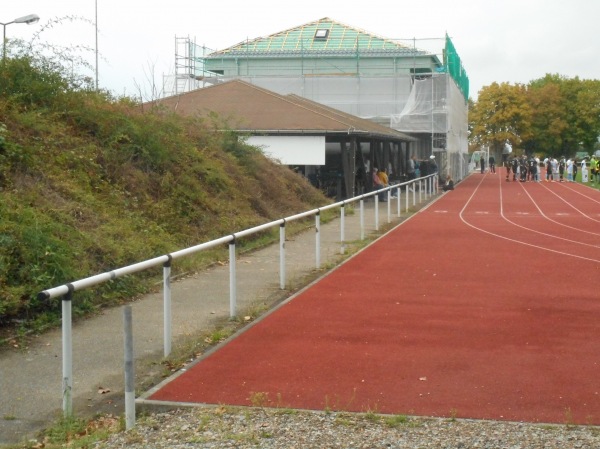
(227,427)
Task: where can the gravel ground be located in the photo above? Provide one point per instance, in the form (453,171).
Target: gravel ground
(226,427)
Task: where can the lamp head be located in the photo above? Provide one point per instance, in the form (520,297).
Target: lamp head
(29,19)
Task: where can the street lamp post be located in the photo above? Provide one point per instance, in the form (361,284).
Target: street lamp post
(29,19)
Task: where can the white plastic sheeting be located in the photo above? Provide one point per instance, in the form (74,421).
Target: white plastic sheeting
(425,109)
(435,106)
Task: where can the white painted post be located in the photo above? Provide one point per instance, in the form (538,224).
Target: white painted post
(318,239)
(129,369)
(282,255)
(167,307)
(376,212)
(342,226)
(67,353)
(389,206)
(232,280)
(362,219)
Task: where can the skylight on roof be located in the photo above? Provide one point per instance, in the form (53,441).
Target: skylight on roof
(321,33)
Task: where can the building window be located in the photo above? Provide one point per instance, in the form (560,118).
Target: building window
(321,34)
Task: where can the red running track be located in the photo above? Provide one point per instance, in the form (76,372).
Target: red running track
(484,305)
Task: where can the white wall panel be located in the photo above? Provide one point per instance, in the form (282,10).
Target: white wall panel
(292,150)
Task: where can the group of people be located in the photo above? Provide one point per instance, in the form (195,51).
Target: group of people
(529,169)
(491,161)
(380,181)
(523,168)
(414,170)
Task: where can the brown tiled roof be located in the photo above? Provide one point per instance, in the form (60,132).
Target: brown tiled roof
(252,109)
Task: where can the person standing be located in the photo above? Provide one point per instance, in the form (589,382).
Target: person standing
(549,175)
(433,167)
(482,163)
(492,162)
(584,171)
(523,168)
(411,171)
(531,169)
(594,169)
(377,184)
(570,170)
(515,167)
(383,177)
(562,164)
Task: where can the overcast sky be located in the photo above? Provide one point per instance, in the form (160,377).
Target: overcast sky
(512,41)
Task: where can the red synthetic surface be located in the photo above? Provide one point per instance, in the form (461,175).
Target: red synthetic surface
(484,305)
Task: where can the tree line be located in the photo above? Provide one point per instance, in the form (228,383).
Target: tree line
(551,116)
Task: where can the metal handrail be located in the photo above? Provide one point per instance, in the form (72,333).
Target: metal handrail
(67,290)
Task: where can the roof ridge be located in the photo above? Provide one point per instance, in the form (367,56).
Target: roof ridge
(325,20)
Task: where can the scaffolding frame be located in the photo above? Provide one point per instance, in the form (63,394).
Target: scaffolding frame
(378,93)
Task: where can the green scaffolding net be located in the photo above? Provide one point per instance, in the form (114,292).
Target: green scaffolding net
(455,68)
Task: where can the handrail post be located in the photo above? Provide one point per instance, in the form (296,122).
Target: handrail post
(318,239)
(389,206)
(342,227)
(414,191)
(232,280)
(129,369)
(398,193)
(167,320)
(420,191)
(376,212)
(67,353)
(282,255)
(362,219)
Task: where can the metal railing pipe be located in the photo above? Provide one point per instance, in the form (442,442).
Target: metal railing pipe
(201,247)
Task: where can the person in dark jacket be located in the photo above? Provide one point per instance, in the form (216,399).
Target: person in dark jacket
(492,162)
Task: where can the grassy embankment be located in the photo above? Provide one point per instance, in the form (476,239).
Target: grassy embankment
(90,183)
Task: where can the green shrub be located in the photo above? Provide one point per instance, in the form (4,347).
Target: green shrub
(89,183)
